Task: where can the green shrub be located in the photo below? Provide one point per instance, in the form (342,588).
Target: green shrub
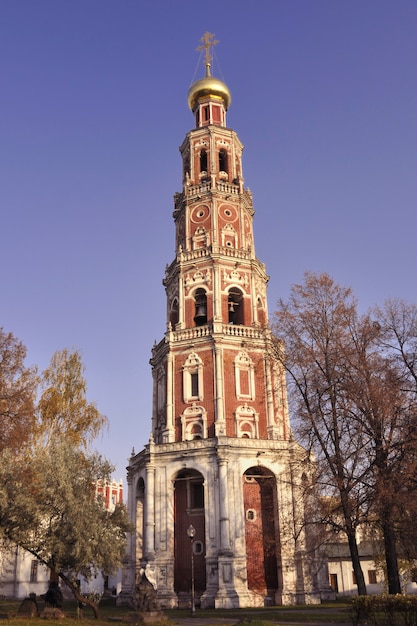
(385,610)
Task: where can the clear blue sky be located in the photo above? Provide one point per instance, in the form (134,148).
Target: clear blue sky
(93,110)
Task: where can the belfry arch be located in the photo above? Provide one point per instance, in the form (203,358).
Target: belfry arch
(189,510)
(263,556)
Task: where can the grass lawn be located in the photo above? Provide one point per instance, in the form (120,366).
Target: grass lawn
(109,612)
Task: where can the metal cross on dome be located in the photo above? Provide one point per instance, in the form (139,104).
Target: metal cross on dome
(206,43)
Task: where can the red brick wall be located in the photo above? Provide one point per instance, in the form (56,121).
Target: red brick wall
(260,534)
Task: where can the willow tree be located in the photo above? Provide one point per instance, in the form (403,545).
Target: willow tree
(50,508)
(48,503)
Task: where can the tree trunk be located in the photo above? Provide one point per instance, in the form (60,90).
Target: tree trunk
(356,562)
(391,558)
(79,596)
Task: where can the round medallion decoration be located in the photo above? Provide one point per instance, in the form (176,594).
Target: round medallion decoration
(228,213)
(199,214)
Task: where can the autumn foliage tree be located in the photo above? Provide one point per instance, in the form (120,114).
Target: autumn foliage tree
(351,381)
(314,327)
(18,386)
(63,409)
(48,503)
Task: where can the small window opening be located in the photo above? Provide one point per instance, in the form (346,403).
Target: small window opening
(173,316)
(34,571)
(206,113)
(234,307)
(197,495)
(203,161)
(194,384)
(223,160)
(200,317)
(333,582)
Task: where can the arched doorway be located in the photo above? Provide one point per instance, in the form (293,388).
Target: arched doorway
(263,558)
(189,511)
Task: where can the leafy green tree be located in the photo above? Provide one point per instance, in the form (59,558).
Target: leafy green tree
(57,517)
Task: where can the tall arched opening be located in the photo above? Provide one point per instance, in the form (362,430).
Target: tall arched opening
(263,553)
(189,511)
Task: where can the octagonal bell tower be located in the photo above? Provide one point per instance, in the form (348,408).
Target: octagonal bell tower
(220,457)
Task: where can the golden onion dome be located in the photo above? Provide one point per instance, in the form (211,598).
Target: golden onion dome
(209,86)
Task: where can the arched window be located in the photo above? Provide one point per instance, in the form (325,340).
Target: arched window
(186,164)
(223,160)
(140,518)
(260,311)
(235,306)
(203,161)
(173,315)
(200,317)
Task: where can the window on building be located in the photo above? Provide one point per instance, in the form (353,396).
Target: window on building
(235,306)
(203,161)
(216,114)
(196,495)
(173,314)
(251,515)
(372,576)
(223,160)
(194,384)
(193,378)
(333,582)
(260,312)
(34,571)
(198,547)
(200,317)
(244,376)
(354,578)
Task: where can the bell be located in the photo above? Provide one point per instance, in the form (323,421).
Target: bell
(201,312)
(232,306)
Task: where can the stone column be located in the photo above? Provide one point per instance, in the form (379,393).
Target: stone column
(219,391)
(224,507)
(149,530)
(169,435)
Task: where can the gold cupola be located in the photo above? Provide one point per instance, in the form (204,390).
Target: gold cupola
(208,87)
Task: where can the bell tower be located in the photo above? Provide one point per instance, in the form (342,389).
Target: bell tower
(221,458)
